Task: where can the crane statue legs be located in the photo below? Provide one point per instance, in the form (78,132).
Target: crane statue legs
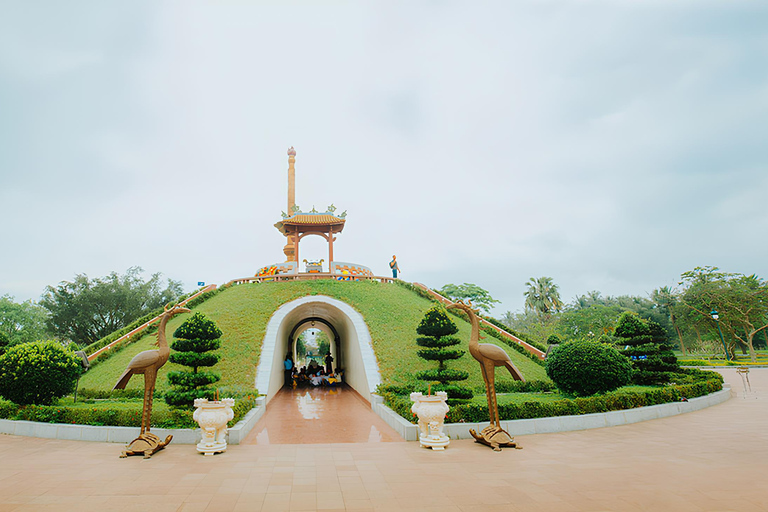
(489,356)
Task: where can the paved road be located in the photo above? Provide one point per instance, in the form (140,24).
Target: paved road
(710,460)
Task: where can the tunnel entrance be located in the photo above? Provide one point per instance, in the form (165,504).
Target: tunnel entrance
(350,343)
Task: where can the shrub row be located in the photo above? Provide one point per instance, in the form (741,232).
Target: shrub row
(698,384)
(118,416)
(519,335)
(421,292)
(719,362)
(529,386)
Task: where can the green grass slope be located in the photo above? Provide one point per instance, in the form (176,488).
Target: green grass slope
(242,312)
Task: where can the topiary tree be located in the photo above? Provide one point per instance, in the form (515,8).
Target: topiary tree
(38,372)
(586,367)
(198,337)
(645,344)
(436,331)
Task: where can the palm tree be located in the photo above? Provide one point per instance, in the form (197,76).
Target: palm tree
(542,297)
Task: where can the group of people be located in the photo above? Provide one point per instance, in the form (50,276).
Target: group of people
(312,375)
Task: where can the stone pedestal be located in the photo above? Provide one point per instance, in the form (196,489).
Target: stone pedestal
(431,410)
(212,418)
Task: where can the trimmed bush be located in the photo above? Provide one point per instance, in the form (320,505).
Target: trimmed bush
(38,372)
(198,337)
(645,344)
(584,368)
(436,331)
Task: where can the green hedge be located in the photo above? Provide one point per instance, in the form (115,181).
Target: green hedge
(119,414)
(720,362)
(519,335)
(691,383)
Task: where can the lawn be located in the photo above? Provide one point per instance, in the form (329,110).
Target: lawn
(242,312)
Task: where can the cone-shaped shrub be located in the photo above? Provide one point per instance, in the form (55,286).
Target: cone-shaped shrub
(645,344)
(198,337)
(436,331)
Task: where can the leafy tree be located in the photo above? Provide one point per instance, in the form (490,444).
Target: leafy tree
(198,338)
(531,326)
(665,301)
(22,323)
(38,372)
(323,343)
(301,346)
(589,322)
(543,297)
(740,300)
(586,367)
(85,310)
(437,332)
(645,343)
(4,342)
(480,297)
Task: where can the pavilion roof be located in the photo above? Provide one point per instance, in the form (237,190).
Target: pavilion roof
(311,219)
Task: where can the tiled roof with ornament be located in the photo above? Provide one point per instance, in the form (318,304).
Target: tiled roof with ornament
(311,218)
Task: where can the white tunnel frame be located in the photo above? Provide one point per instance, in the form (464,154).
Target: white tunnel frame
(361,369)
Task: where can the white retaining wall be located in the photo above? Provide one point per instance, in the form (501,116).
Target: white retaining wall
(125,434)
(410,432)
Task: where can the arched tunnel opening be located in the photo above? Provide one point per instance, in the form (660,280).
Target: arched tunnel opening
(351,347)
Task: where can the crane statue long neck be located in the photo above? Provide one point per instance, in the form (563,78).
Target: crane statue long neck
(161,340)
(474,339)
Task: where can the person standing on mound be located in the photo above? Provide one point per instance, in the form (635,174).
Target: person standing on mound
(394,267)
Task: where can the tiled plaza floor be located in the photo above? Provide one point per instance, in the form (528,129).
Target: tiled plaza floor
(320,415)
(711,460)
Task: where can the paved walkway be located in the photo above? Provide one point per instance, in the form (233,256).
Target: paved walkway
(710,460)
(320,415)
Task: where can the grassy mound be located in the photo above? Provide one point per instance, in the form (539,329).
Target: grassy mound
(242,312)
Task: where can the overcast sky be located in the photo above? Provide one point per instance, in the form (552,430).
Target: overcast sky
(608,145)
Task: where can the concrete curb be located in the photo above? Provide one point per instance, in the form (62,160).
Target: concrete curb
(125,434)
(410,432)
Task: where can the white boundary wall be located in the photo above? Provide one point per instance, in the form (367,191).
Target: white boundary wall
(235,434)
(410,432)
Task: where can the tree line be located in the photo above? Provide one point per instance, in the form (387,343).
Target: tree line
(705,303)
(85,309)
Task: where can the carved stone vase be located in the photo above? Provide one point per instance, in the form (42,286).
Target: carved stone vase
(431,410)
(212,418)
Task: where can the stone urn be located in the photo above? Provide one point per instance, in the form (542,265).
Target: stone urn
(212,418)
(431,410)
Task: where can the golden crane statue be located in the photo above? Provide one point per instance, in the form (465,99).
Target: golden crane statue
(489,356)
(148,363)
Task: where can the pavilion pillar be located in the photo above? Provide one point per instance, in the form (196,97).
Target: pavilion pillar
(296,248)
(330,251)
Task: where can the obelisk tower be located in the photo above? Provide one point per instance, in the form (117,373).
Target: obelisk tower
(289,249)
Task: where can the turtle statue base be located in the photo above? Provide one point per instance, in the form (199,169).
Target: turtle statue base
(146,444)
(496,438)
